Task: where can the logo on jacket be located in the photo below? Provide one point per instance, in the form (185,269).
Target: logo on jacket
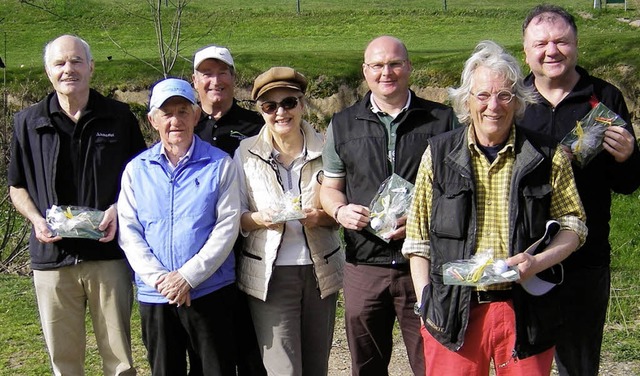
(238,135)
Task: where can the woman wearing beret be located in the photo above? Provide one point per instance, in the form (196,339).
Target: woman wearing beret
(290,267)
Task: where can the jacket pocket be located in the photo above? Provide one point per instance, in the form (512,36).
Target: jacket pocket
(451,212)
(251,255)
(435,297)
(328,255)
(536,204)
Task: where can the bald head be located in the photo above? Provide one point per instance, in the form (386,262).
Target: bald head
(385,42)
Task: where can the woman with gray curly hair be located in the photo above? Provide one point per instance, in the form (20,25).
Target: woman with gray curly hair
(485,192)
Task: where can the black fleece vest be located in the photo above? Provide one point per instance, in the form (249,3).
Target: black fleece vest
(452,236)
(361,143)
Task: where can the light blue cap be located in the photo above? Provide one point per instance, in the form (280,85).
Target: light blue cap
(171,87)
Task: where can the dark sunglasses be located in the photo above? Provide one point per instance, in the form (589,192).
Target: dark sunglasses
(287,104)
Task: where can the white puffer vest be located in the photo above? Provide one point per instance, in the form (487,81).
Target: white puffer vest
(262,188)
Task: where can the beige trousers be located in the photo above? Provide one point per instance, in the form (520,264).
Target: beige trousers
(63,296)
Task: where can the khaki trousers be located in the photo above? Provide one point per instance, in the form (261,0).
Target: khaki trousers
(63,295)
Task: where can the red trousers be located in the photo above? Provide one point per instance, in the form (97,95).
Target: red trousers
(490,336)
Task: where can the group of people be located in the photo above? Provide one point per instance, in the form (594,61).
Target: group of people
(230,283)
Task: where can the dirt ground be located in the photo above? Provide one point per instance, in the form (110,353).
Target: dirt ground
(340,361)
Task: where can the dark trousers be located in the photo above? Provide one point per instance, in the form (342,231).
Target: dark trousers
(374,296)
(586,293)
(206,327)
(247,351)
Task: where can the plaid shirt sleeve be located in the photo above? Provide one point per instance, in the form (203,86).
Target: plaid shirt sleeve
(417,240)
(566,206)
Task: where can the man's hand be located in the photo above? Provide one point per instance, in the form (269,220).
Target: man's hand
(109,224)
(527,265)
(43,232)
(353,217)
(175,288)
(619,143)
(401,230)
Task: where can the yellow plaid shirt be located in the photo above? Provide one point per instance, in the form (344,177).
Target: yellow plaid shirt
(492,193)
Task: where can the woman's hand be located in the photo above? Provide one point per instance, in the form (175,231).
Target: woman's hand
(263,218)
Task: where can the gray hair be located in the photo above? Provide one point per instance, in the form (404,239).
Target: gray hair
(491,55)
(85,46)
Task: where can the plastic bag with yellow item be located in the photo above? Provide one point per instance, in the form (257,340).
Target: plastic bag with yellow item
(479,270)
(288,208)
(390,203)
(585,140)
(75,222)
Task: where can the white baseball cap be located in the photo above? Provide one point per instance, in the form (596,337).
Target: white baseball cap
(547,279)
(213,52)
(171,87)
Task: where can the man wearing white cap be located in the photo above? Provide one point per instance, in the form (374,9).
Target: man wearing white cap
(223,123)
(179,218)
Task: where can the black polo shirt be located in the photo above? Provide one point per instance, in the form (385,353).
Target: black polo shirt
(67,176)
(227,132)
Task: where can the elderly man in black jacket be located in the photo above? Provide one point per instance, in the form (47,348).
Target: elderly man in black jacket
(70,149)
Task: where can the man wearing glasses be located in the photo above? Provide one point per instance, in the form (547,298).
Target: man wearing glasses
(385,133)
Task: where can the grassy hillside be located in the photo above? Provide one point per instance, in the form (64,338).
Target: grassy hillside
(325,42)
(326,39)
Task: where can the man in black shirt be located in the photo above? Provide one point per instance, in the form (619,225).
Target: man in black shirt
(70,149)
(567,93)
(223,123)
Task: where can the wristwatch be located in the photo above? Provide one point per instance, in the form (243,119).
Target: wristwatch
(416,308)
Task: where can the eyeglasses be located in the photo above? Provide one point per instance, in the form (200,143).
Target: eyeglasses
(395,66)
(503,96)
(287,103)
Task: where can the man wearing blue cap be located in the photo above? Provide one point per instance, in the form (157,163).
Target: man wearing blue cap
(179,216)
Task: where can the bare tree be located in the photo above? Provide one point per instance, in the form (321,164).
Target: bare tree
(168,41)
(167,27)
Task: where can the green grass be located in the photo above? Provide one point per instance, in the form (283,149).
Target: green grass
(622,340)
(326,39)
(23,351)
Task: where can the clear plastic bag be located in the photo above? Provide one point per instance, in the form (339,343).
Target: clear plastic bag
(75,222)
(390,203)
(585,140)
(289,208)
(480,270)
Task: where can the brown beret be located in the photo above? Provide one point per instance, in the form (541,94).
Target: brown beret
(278,77)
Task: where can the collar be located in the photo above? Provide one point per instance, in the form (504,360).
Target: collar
(275,153)
(376,109)
(182,159)
(509,146)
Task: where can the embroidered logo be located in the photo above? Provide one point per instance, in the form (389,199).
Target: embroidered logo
(238,135)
